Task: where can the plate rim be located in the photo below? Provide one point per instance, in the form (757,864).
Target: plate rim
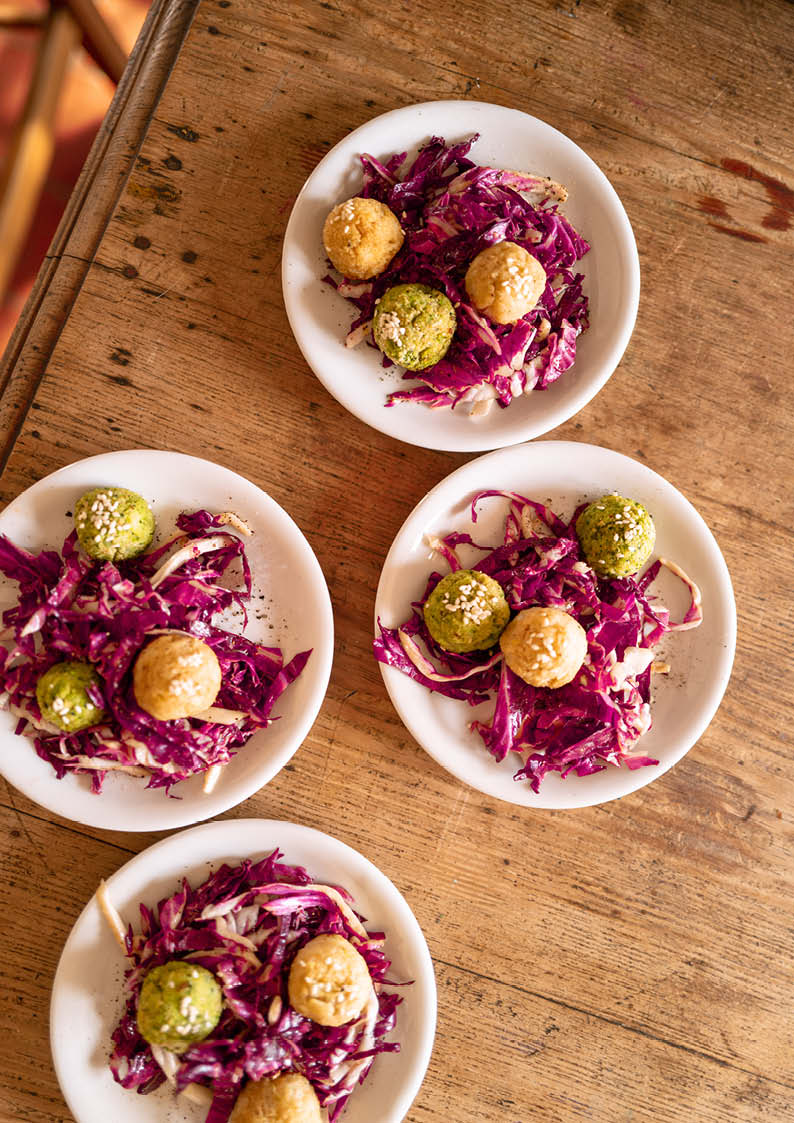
(221,830)
(470,440)
(392,676)
(324,648)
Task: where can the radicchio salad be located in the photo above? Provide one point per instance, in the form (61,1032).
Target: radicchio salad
(246,928)
(603,707)
(78,611)
(451,211)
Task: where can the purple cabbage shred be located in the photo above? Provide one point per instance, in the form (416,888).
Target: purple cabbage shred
(597,718)
(245,924)
(451,209)
(70,607)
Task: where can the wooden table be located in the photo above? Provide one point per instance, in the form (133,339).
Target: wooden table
(625,963)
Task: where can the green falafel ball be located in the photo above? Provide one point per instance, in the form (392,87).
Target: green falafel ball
(617,535)
(61,693)
(467,611)
(180,1003)
(113,523)
(414,325)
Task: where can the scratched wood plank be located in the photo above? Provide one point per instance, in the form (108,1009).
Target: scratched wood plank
(653,933)
(555,1060)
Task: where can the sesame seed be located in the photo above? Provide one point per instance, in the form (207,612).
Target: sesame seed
(390,326)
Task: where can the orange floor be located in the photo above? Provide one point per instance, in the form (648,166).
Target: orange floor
(84,100)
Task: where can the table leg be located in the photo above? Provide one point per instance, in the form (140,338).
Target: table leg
(32,145)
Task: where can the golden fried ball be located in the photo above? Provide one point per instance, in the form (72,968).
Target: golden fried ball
(544,646)
(505,282)
(329,981)
(176,675)
(361,236)
(288,1098)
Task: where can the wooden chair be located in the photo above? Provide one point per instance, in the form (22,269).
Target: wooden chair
(63,26)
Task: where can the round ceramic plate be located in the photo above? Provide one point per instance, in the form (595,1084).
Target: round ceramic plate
(563,474)
(320,318)
(87,993)
(290,608)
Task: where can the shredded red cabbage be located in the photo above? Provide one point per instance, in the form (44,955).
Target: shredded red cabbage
(594,720)
(72,607)
(246,924)
(451,209)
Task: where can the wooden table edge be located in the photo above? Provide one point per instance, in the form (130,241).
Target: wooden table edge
(90,206)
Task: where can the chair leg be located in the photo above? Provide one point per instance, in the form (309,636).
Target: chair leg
(31,150)
(20,16)
(98,39)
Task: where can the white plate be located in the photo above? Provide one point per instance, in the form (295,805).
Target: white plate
(563,474)
(320,318)
(87,996)
(295,615)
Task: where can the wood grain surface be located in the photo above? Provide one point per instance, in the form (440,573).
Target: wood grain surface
(624,963)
